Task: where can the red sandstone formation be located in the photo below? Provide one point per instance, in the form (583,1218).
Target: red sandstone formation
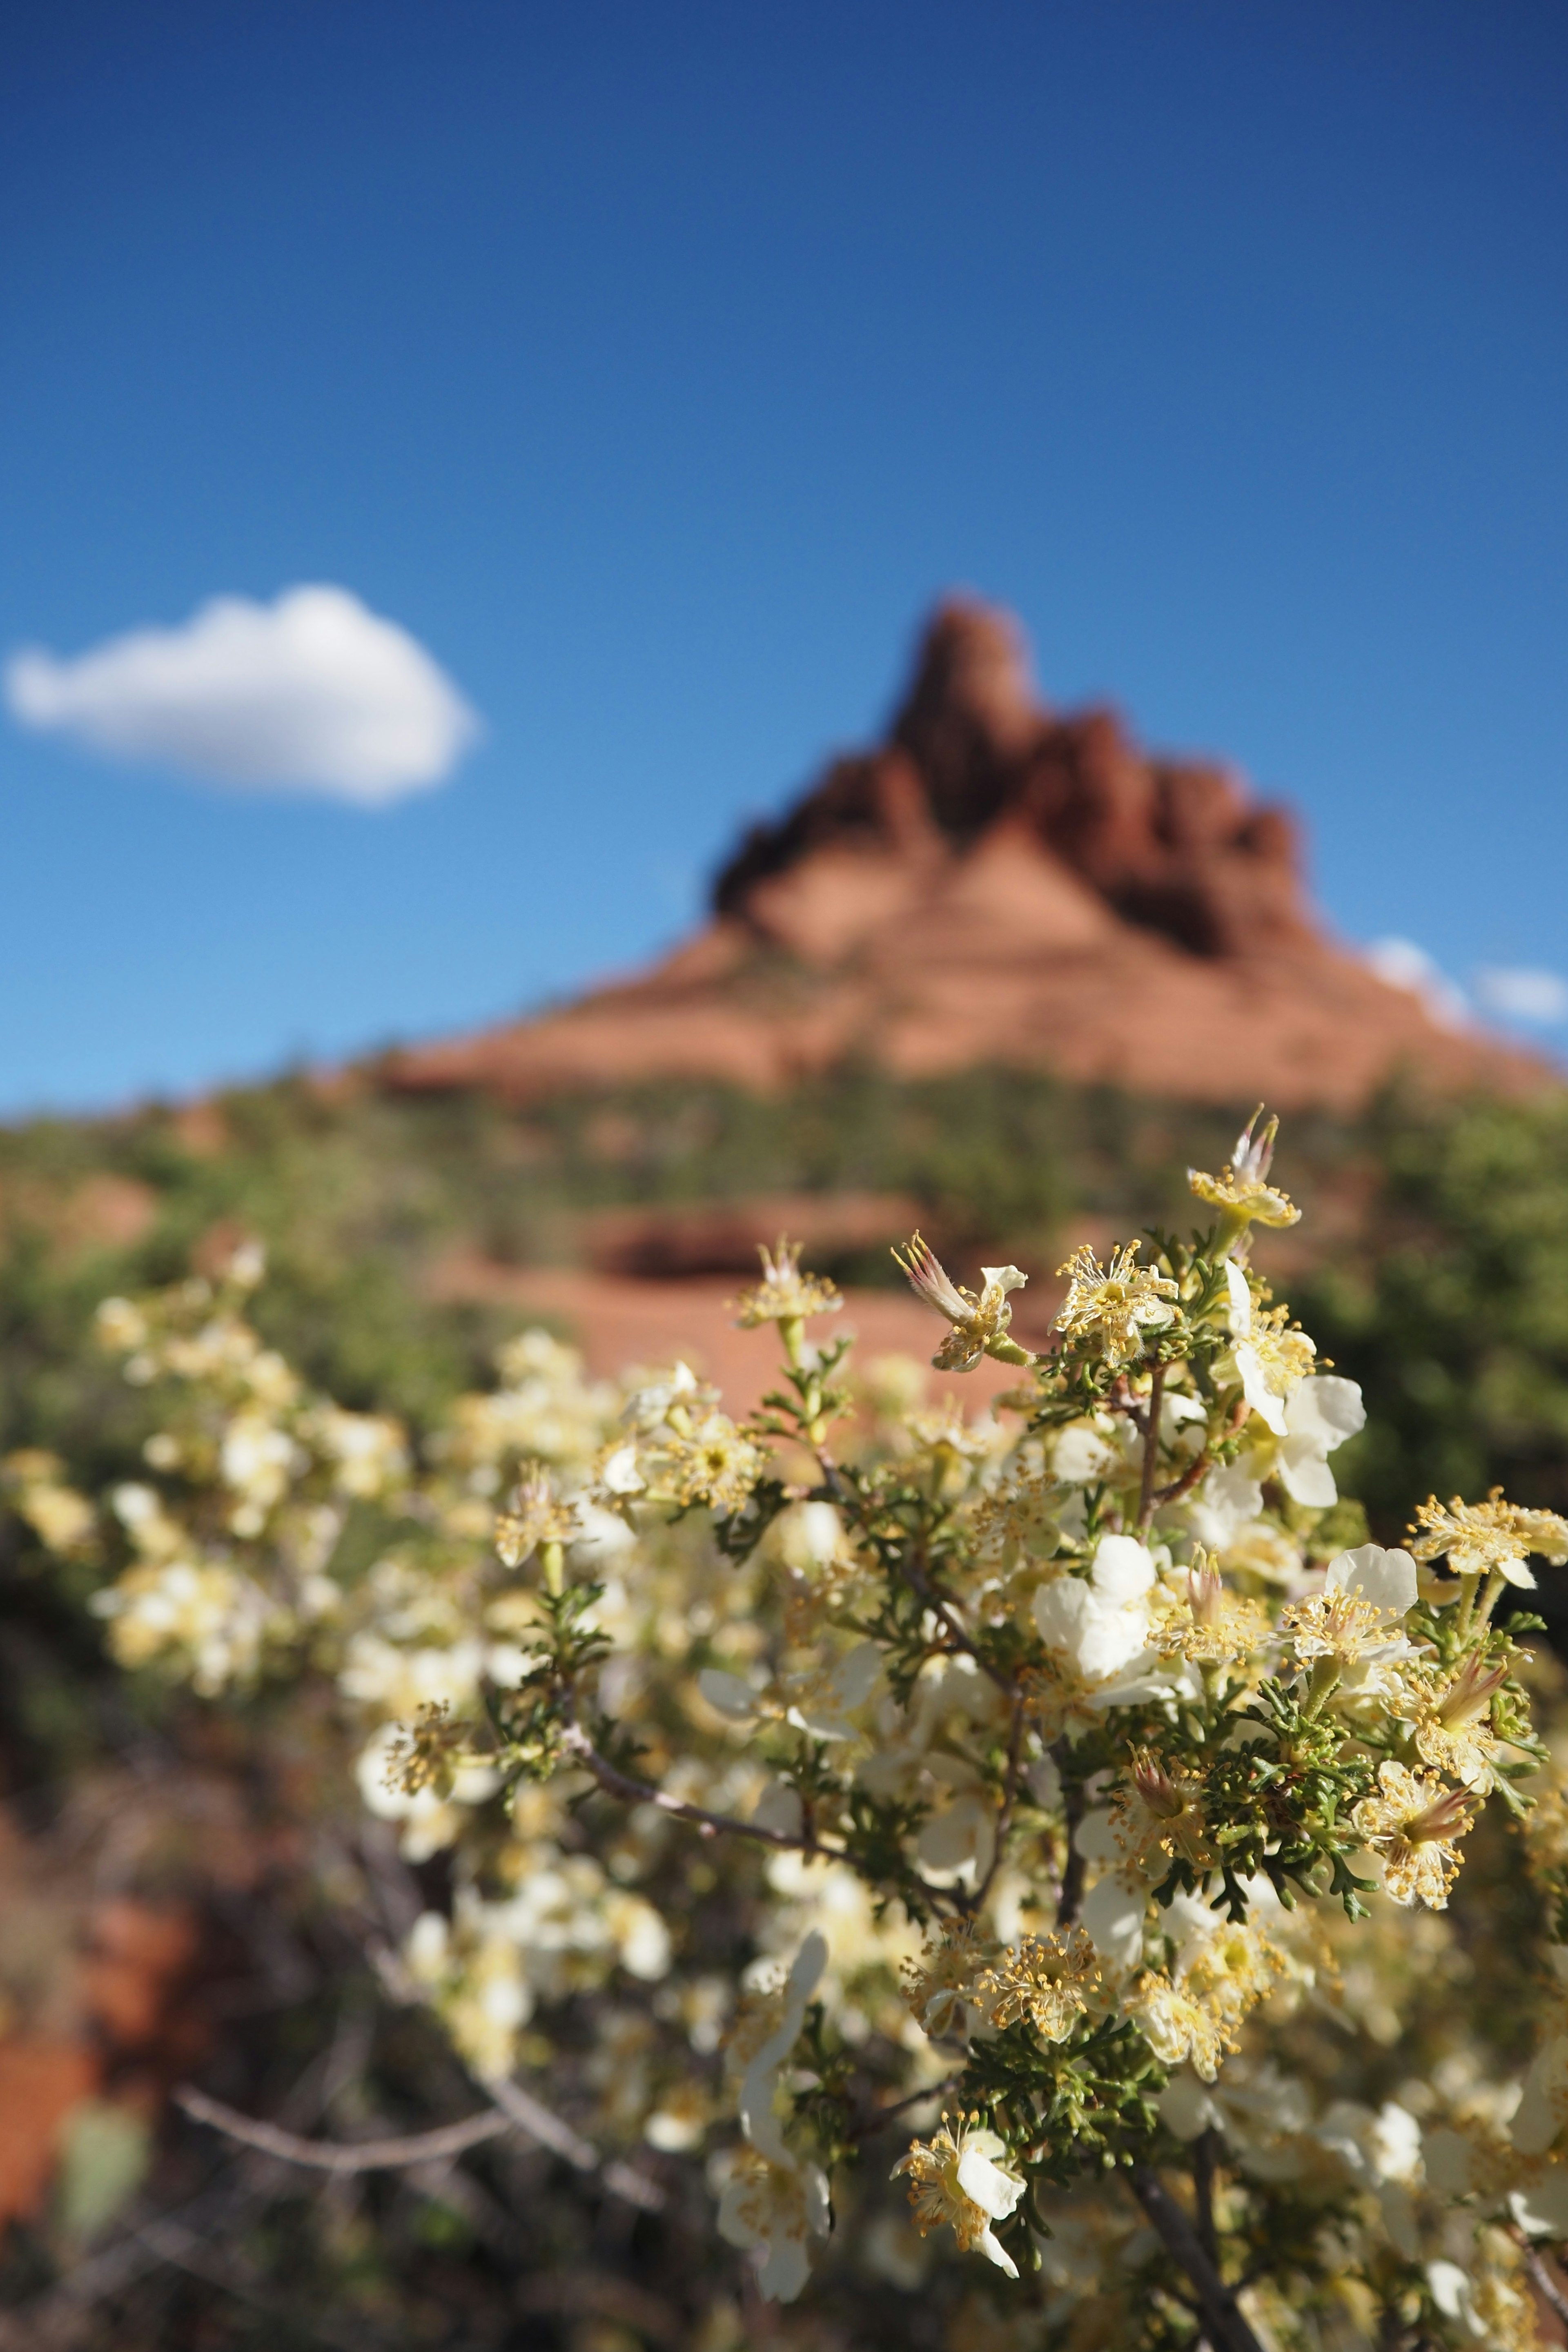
(996,883)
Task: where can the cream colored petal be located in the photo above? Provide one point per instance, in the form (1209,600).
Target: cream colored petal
(986,2185)
(1386,1578)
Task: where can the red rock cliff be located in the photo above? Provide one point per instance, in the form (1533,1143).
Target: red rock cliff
(998,882)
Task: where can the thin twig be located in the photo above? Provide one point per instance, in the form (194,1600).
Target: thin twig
(541,2123)
(514,2110)
(341,2156)
(1222,2315)
(942,1609)
(1180,1488)
(617,1783)
(1072,1893)
(1205,2158)
(1150,1447)
(1545,2285)
(1009,1800)
(874,2123)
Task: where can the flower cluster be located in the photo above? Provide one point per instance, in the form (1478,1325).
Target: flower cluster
(1072,1762)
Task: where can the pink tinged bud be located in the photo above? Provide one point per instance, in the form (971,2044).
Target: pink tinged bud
(1254,1155)
(1157,1788)
(1206,1592)
(1471,1694)
(1447,1817)
(930,1280)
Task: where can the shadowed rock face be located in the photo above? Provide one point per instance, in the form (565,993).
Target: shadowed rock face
(1174,846)
(997,883)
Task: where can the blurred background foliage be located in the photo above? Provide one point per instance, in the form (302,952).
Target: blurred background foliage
(1431,1265)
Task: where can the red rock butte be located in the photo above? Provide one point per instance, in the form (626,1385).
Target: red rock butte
(998,884)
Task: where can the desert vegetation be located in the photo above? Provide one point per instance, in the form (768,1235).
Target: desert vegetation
(612,1856)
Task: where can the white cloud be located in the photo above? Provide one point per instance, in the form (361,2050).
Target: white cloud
(1404,965)
(313,693)
(1523,995)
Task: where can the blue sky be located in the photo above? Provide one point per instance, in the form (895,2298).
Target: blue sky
(655,366)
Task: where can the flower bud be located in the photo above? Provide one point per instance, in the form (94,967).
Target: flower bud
(1206,1592)
(1157,1788)
(1471,1694)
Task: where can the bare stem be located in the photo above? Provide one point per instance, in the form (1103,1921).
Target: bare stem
(1548,2287)
(1205,2157)
(1180,1488)
(541,2123)
(1071,1894)
(617,1783)
(942,1609)
(874,2122)
(1222,2320)
(1146,1498)
(515,2110)
(1009,1800)
(340,2156)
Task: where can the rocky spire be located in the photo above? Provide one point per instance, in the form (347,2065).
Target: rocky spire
(1175,846)
(999,883)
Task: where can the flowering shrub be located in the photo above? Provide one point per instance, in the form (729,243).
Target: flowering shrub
(1071,1790)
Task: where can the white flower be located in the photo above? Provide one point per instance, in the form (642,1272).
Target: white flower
(758,2084)
(1102,1623)
(1355,1621)
(958,1842)
(397,1681)
(640,1936)
(257,1458)
(473,1973)
(600,1536)
(1082,1454)
(647,1408)
(808,1537)
(220,1618)
(957,2180)
(1324,1412)
(1542,2209)
(1385,1579)
(821,1702)
(1230,1500)
(366,1449)
(1376,2147)
(620,1474)
(728,1695)
(1113,1915)
(430,1820)
(769,2208)
(1257,2110)
(977,1323)
(835,1695)
(1450,2289)
(1383,2153)
(944,1689)
(1188,2105)
(1273,1362)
